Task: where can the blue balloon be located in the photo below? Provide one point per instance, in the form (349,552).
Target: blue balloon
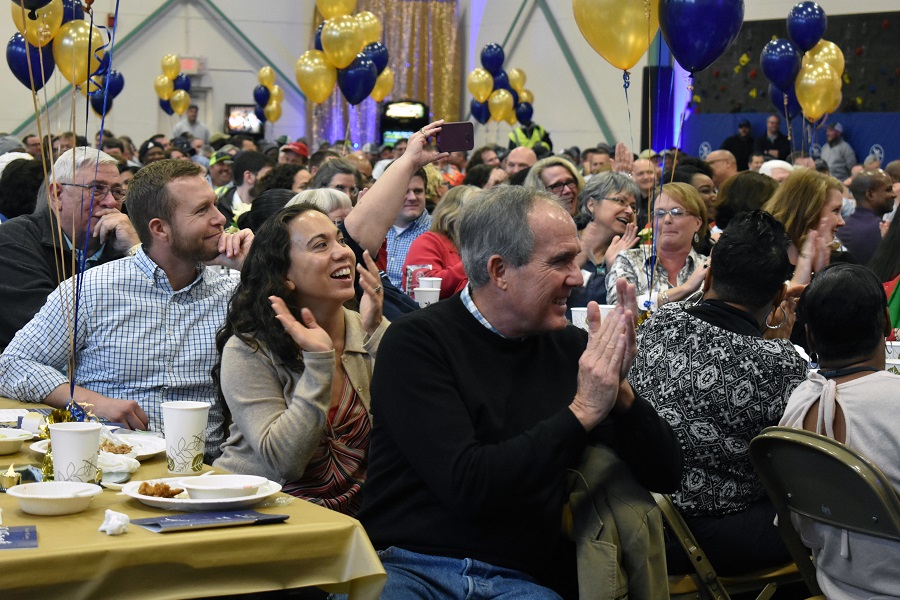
(481,112)
(17,51)
(261,95)
(501,81)
(358,79)
(806,24)
(97,104)
(378,52)
(492,58)
(72,10)
(260,112)
(699,31)
(31,6)
(115,83)
(319,36)
(166,107)
(777,98)
(524,112)
(780,63)
(182,82)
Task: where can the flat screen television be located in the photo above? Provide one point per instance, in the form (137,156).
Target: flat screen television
(241,118)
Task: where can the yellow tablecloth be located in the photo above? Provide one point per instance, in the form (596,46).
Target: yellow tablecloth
(314,547)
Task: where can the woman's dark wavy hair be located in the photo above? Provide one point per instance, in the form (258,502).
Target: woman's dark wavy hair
(886,261)
(264,273)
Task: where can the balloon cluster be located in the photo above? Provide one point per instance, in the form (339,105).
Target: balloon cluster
(173,87)
(499,95)
(348,51)
(810,82)
(268,96)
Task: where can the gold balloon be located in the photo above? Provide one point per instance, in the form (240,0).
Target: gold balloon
(516,79)
(500,103)
(383,85)
(164,87)
(272,111)
(335,8)
(39,32)
(618,30)
(480,84)
(837,103)
(76,50)
(818,88)
(171,66)
(266,77)
(180,101)
(341,40)
(315,75)
(828,52)
(276,94)
(370,26)
(526,96)
(511,118)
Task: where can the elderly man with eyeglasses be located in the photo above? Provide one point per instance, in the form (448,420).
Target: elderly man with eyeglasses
(82,222)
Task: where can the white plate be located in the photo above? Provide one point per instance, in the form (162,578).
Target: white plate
(182,502)
(142,446)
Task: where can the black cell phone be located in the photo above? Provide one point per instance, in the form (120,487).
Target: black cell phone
(455,137)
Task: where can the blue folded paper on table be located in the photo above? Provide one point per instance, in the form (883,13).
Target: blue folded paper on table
(207,520)
(24,536)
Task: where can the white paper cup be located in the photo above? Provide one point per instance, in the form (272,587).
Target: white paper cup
(426,296)
(430,282)
(76,447)
(184,424)
(579,317)
(606,309)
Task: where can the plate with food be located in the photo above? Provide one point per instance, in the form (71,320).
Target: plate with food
(135,445)
(170,495)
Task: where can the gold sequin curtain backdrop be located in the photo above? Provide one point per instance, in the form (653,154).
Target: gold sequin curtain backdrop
(423,40)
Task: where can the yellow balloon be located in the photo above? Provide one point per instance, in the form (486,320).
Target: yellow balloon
(335,8)
(171,66)
(40,31)
(500,104)
(272,111)
(828,52)
(341,40)
(370,26)
(818,88)
(526,96)
(511,118)
(180,101)
(383,85)
(516,79)
(266,76)
(315,75)
(618,30)
(837,103)
(76,50)
(276,94)
(480,84)
(164,87)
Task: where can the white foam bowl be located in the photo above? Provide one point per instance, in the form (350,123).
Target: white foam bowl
(11,440)
(214,487)
(54,497)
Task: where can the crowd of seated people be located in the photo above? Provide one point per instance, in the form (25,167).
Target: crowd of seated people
(713,268)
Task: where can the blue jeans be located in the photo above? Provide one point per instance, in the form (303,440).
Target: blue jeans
(421,576)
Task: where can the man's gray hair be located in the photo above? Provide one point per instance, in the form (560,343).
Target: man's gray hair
(495,222)
(533,179)
(325,198)
(606,185)
(75,158)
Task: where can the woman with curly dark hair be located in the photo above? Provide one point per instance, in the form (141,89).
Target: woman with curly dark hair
(295,365)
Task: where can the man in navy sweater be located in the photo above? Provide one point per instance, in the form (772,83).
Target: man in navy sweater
(481,402)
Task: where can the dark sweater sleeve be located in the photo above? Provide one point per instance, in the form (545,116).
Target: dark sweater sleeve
(25,283)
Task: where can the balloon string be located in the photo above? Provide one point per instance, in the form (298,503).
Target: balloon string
(626,83)
(690,89)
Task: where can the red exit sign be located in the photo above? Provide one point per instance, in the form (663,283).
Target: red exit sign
(193,65)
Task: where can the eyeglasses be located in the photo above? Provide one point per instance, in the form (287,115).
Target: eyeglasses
(100,190)
(624,203)
(350,191)
(660,213)
(558,187)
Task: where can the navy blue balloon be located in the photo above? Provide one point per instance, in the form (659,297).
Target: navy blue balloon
(31,5)
(780,63)
(115,83)
(378,52)
(699,31)
(260,112)
(777,98)
(97,104)
(166,107)
(72,10)
(515,96)
(524,112)
(261,95)
(481,112)
(806,24)
(319,36)
(492,58)
(358,79)
(17,51)
(501,80)
(182,82)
